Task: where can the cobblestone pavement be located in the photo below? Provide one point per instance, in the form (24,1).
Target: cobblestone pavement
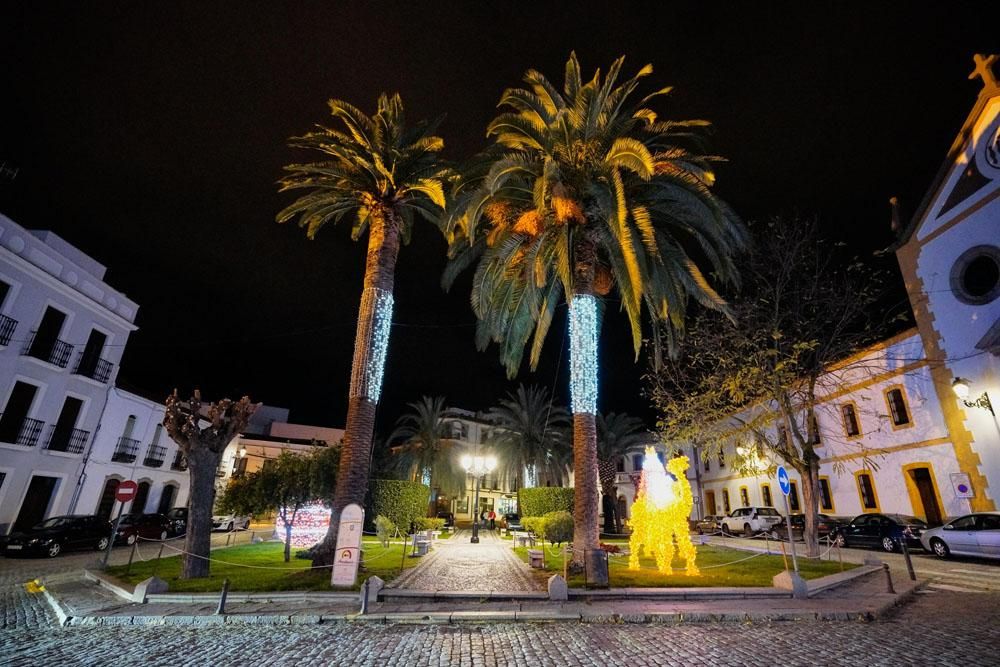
(456,564)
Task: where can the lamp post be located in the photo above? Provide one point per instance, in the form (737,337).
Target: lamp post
(477,466)
(961,388)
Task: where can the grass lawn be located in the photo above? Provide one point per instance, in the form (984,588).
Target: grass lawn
(753,572)
(292,576)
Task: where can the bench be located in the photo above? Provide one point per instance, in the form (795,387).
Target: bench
(536,558)
(523,539)
(421,544)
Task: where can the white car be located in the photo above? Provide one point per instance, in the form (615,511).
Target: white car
(975,534)
(750,521)
(229,522)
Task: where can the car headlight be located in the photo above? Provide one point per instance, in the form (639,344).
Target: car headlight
(33,541)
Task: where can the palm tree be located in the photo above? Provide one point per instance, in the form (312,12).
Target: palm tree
(616,435)
(382,175)
(532,436)
(422,449)
(584,191)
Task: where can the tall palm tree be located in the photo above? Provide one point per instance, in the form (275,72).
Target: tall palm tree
(583,191)
(422,449)
(617,433)
(532,436)
(382,175)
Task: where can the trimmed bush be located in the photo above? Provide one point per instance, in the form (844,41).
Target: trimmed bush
(541,500)
(400,502)
(534,524)
(384,528)
(558,527)
(427,523)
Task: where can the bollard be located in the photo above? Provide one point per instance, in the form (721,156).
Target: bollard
(253,534)
(156,563)
(840,557)
(228,537)
(222,597)
(888,579)
(906,557)
(128,568)
(364,597)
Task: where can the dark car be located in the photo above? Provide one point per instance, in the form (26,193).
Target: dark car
(178,520)
(511,521)
(449,518)
(885,531)
(146,526)
(827,525)
(709,525)
(60,533)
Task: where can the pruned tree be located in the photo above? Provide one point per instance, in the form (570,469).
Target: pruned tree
(804,314)
(202,432)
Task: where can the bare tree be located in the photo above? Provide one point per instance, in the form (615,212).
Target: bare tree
(202,432)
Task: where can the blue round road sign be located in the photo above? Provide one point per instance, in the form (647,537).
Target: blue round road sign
(783,483)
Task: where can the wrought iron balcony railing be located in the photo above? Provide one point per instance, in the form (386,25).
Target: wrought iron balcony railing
(155,456)
(179,462)
(125,450)
(69,440)
(7,327)
(57,352)
(94,368)
(25,433)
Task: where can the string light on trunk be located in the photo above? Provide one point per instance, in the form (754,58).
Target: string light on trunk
(583,354)
(371,344)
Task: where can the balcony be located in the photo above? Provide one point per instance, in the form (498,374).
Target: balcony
(94,367)
(155,456)
(125,450)
(58,352)
(25,433)
(69,440)
(7,327)
(179,462)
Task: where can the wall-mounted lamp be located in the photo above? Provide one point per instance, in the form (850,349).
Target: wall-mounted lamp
(961,388)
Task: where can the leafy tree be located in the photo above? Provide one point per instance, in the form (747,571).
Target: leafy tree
(616,434)
(804,315)
(586,191)
(202,433)
(531,436)
(423,450)
(382,174)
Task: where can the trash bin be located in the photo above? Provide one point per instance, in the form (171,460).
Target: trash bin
(596,568)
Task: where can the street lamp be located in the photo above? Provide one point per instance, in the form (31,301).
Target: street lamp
(477,466)
(961,388)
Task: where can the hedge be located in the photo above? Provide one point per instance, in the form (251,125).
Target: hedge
(400,502)
(541,500)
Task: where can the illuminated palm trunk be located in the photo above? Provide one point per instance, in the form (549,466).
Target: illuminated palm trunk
(370,345)
(583,400)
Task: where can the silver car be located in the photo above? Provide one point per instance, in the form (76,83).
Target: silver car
(976,534)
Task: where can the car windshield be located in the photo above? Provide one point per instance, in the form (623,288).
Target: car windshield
(54,522)
(904,519)
(177,513)
(767,511)
(129,519)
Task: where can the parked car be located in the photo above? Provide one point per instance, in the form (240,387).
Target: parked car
(882,530)
(826,525)
(60,533)
(146,526)
(511,522)
(178,517)
(710,524)
(750,521)
(228,522)
(975,534)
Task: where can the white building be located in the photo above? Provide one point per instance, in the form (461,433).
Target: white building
(62,333)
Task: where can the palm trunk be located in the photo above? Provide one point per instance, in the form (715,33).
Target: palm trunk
(583,361)
(202,464)
(355,456)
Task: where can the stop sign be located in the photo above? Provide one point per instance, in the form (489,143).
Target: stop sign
(126,491)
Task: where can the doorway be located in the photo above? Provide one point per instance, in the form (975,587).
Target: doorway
(16,411)
(923,481)
(710,503)
(36,501)
(141,496)
(107,502)
(167,499)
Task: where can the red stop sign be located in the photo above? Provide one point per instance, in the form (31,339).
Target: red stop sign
(126,491)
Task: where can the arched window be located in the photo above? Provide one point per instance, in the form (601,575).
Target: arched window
(141,496)
(107,501)
(167,498)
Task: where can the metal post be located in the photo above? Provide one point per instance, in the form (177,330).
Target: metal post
(906,557)
(156,563)
(840,556)
(128,568)
(791,540)
(565,566)
(475,515)
(364,597)
(229,536)
(888,579)
(114,532)
(222,597)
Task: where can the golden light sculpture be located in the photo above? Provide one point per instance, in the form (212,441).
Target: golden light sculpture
(660,514)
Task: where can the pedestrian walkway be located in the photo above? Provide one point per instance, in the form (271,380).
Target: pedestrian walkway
(456,564)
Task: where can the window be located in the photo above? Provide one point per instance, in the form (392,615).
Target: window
(897,407)
(965,523)
(637,462)
(708,465)
(725,501)
(975,276)
(744,496)
(765,492)
(851,426)
(813,429)
(722,458)
(866,490)
(793,496)
(988,522)
(620,464)
(825,497)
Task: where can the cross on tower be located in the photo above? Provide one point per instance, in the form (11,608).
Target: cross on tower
(984,70)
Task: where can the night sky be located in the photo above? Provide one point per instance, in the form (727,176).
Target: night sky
(150,135)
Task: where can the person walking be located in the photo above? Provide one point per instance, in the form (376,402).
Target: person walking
(493,520)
